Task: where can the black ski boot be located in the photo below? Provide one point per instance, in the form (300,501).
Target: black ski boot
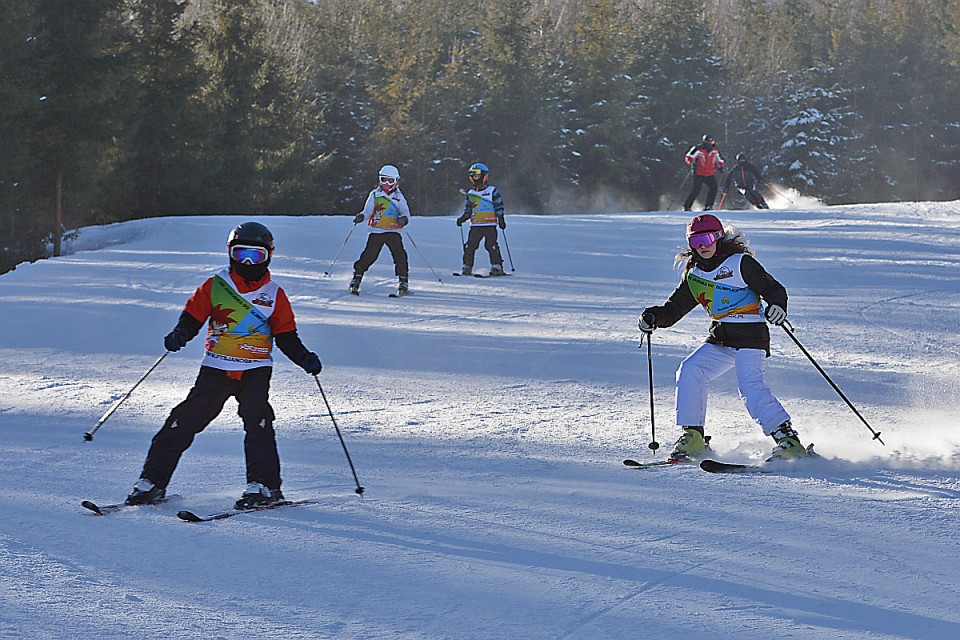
(257,495)
(355,283)
(145,492)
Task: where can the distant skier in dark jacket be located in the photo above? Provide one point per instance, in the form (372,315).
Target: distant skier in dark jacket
(706,161)
(746,178)
(722,276)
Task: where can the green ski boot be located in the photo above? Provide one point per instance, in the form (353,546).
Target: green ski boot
(691,444)
(788,444)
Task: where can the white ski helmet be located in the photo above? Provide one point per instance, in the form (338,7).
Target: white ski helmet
(389,177)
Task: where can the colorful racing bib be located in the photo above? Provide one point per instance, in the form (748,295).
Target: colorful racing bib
(386,214)
(238,333)
(483,211)
(724,294)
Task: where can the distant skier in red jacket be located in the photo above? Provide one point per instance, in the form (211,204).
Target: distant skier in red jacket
(705,160)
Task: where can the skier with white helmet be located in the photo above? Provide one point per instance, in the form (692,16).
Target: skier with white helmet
(721,275)
(484,209)
(386,213)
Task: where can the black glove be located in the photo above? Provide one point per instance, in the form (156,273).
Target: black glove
(357,219)
(175,340)
(310,362)
(647,322)
(502,222)
(462,219)
(403,220)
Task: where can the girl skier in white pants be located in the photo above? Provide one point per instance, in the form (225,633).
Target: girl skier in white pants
(721,274)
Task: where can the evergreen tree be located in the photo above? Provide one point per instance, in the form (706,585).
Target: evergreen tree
(20,233)
(817,136)
(75,70)
(254,94)
(161,166)
(681,79)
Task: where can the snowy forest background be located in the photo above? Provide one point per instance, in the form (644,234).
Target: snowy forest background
(120,109)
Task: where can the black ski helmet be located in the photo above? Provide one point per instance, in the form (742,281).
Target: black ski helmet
(741,157)
(708,139)
(253,234)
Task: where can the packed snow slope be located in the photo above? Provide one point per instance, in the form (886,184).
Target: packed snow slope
(487,420)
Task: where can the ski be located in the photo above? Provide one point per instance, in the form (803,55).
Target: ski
(633,464)
(715,466)
(102,510)
(481,275)
(400,295)
(189,516)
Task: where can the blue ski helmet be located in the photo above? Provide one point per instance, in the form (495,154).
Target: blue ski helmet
(478,173)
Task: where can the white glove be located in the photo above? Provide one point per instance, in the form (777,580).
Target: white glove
(776,315)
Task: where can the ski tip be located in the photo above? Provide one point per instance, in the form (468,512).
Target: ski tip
(631,463)
(86,504)
(714,466)
(189,516)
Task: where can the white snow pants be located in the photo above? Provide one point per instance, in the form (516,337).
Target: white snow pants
(707,363)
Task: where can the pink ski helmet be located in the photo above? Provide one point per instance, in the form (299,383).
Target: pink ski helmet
(704,230)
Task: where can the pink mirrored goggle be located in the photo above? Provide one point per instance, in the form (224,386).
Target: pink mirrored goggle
(702,240)
(249,255)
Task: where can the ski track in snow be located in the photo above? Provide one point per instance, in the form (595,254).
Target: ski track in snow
(487,420)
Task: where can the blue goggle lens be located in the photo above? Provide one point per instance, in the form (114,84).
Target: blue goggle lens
(249,255)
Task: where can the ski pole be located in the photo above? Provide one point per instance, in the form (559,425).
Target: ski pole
(654,445)
(359,489)
(327,272)
(422,256)
(677,200)
(88,436)
(788,328)
(778,193)
(507,245)
(722,198)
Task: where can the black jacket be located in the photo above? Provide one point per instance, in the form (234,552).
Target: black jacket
(739,335)
(744,175)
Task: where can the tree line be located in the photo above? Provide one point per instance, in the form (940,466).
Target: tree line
(120,109)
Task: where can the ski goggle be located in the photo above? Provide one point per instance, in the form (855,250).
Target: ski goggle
(703,240)
(388,180)
(476,173)
(249,255)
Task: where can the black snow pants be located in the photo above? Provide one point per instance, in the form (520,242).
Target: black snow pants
(204,403)
(698,182)
(371,252)
(488,234)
